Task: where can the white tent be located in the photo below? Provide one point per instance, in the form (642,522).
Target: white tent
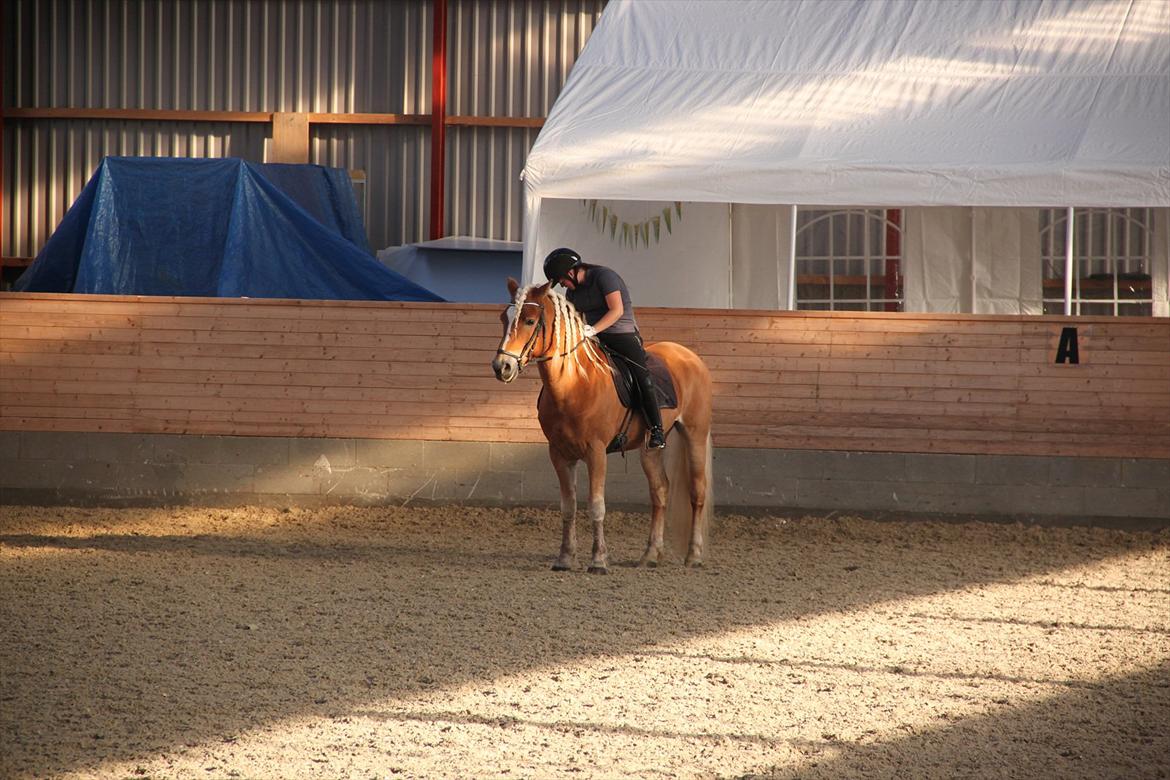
(741,110)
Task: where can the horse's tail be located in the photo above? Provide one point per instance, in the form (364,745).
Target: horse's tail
(709,497)
(679,517)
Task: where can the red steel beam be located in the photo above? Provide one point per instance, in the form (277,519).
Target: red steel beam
(438,117)
(893,256)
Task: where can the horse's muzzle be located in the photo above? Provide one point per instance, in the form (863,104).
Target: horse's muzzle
(506,368)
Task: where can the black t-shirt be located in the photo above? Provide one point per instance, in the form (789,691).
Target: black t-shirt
(589,298)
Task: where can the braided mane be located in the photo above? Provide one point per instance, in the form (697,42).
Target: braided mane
(567,330)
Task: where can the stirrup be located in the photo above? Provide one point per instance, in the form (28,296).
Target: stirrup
(657,439)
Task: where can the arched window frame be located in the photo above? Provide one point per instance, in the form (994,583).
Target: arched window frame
(1112,261)
(823,265)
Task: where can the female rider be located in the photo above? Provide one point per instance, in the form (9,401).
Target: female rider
(604,301)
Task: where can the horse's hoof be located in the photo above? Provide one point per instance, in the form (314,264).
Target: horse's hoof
(558,566)
(599,570)
(693,564)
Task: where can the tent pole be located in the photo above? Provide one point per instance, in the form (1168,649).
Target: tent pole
(1068,262)
(730,259)
(780,296)
(974,262)
(791,302)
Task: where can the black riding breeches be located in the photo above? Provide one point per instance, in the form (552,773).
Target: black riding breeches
(629,346)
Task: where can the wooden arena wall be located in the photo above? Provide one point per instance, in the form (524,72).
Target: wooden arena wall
(906,383)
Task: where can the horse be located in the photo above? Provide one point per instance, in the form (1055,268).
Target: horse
(580,414)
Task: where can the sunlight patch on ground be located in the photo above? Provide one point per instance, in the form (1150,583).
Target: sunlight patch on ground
(786,696)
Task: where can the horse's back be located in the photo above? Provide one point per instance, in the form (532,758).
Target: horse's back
(679,359)
(692,380)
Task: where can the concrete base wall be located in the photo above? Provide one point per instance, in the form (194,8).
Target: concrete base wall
(109,468)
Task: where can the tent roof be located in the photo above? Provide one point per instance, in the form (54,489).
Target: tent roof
(882,102)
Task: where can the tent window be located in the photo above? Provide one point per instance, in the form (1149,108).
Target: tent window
(849,259)
(1111,261)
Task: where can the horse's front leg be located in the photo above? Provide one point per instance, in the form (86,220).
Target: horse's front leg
(567,476)
(595,460)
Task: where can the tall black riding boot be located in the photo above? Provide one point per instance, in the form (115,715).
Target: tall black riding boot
(653,416)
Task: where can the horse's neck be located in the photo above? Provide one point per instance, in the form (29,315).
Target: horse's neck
(573,378)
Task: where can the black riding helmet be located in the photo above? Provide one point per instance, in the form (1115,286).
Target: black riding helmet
(558,263)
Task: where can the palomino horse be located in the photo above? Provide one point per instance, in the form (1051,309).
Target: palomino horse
(580,414)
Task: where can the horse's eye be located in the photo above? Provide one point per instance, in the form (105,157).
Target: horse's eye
(530,322)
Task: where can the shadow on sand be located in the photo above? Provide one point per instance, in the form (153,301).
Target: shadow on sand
(116,646)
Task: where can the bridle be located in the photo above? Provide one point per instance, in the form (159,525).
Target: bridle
(526,350)
(525,356)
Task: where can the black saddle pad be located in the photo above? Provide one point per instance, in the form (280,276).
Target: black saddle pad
(627,388)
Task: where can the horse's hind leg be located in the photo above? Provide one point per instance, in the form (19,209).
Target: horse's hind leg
(698,444)
(567,476)
(659,490)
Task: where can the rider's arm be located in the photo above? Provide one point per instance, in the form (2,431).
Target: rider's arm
(614,302)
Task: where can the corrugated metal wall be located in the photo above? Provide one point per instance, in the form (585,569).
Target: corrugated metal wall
(510,57)
(220,55)
(506,58)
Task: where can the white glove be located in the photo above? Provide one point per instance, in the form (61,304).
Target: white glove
(588,331)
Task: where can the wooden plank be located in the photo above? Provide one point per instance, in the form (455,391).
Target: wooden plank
(249,307)
(258,417)
(432,343)
(829,420)
(1143,407)
(324,370)
(66,403)
(893,438)
(489,432)
(958,446)
(1108,357)
(1093,384)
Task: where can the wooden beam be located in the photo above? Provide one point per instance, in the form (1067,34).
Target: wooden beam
(315,117)
(138,114)
(369,119)
(496,121)
(290,137)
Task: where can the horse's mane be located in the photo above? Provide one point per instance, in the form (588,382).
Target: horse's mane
(568,332)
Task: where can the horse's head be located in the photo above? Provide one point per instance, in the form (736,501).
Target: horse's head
(527,330)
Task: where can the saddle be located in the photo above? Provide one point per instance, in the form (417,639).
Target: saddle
(627,386)
(630,395)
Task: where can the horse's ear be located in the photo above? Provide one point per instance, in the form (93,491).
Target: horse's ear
(513,286)
(543,288)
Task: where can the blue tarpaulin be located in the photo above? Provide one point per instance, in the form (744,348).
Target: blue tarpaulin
(216,228)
